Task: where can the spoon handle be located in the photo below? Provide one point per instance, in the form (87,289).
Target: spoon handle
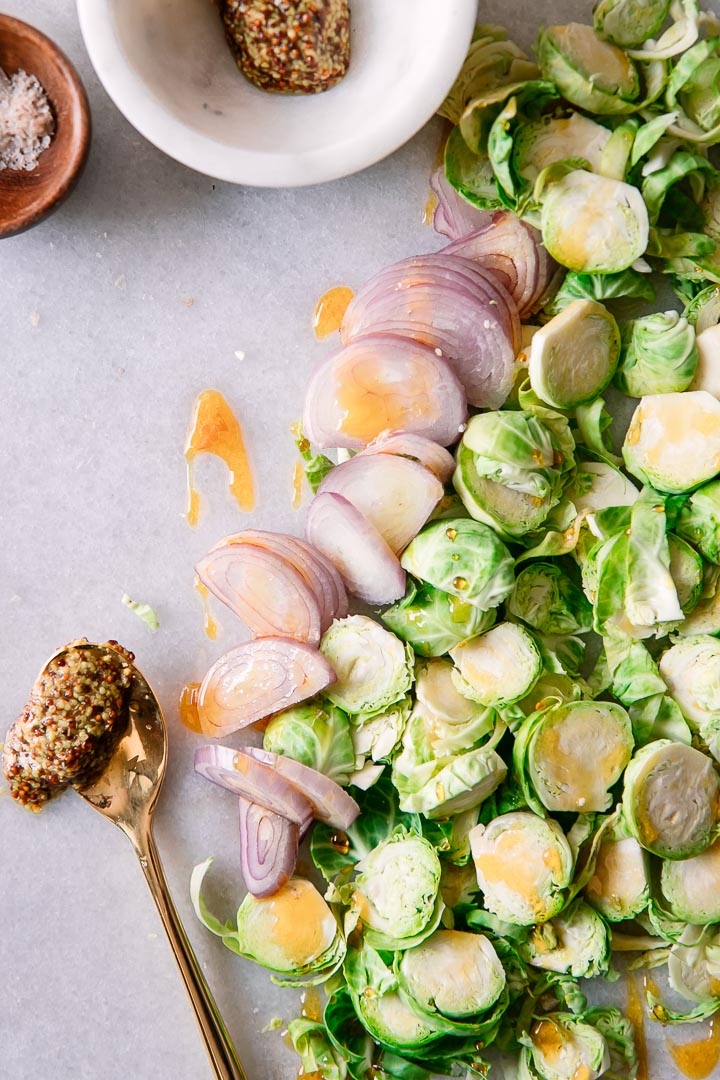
(224,1060)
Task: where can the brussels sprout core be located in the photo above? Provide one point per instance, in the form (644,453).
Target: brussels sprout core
(563,1048)
(670,799)
(692,887)
(574,356)
(523,864)
(673,442)
(397,887)
(455,973)
(620,885)
(593,224)
(587,71)
(498,667)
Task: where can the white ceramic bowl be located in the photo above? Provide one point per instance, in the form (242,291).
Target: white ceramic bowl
(167,67)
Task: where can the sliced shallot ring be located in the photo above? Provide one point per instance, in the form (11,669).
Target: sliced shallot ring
(453,215)
(268,848)
(505,239)
(263,589)
(245,776)
(405,444)
(395,494)
(329,801)
(258,678)
(383,382)
(453,305)
(368,567)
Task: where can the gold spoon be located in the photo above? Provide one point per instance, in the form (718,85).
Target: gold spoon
(126,794)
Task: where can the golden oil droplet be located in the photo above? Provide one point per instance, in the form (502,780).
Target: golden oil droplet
(451,533)
(459,583)
(340,843)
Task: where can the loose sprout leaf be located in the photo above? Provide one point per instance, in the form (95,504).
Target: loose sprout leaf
(143,611)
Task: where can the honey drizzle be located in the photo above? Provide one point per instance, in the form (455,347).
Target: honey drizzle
(297,485)
(214,429)
(187,707)
(211,627)
(698,1059)
(636,1015)
(330,310)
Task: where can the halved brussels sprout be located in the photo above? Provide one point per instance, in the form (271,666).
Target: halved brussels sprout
(379,1007)
(293,933)
(700,95)
(694,972)
(707,372)
(561,1047)
(464,558)
(433,621)
(673,442)
(588,71)
(448,767)
(452,974)
(374,669)
(551,139)
(597,485)
(376,736)
(491,61)
(509,512)
(499,667)
(519,450)
(659,355)
(574,356)
(546,599)
(686,570)
(575,942)
(629,23)
(524,865)
(569,755)
(699,520)
(692,887)
(670,799)
(691,669)
(593,224)
(396,891)
(316,734)
(620,885)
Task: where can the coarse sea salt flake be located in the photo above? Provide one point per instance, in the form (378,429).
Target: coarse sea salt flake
(26,121)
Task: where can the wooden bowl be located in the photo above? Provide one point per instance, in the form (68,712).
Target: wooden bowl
(28,197)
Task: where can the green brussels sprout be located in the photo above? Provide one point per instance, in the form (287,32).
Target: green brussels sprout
(524,866)
(691,887)
(561,1047)
(546,599)
(465,559)
(499,667)
(597,485)
(396,891)
(551,139)
(670,802)
(620,884)
(470,174)
(451,980)
(521,451)
(376,737)
(673,442)
(509,512)
(694,973)
(691,669)
(491,61)
(292,933)
(700,95)
(686,570)
(568,755)
(703,310)
(628,283)
(374,669)
(378,1005)
(313,1045)
(705,616)
(316,734)
(574,356)
(576,942)
(699,520)
(593,224)
(659,355)
(628,23)
(448,763)
(588,72)
(433,621)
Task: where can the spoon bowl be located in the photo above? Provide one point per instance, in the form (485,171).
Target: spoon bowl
(126,793)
